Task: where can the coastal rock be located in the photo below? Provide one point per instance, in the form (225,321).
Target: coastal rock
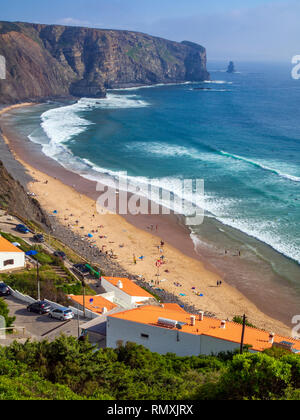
(48,61)
(231,68)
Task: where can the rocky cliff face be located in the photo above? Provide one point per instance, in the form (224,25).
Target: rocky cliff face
(15,200)
(51,61)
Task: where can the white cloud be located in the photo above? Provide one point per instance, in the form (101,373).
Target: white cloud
(74,22)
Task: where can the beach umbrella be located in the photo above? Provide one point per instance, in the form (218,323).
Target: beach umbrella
(90,235)
(31,253)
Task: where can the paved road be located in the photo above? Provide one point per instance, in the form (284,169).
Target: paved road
(8,225)
(40,327)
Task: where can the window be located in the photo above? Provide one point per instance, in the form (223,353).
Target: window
(144,335)
(8,262)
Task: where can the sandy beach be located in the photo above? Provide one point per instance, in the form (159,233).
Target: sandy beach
(137,250)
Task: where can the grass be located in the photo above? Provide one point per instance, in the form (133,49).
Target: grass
(151,293)
(42,257)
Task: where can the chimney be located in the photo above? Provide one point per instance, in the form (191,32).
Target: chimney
(271,338)
(120,284)
(104,310)
(223,325)
(201,316)
(193,320)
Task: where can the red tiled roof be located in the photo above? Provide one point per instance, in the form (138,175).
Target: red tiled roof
(98,304)
(6,246)
(129,287)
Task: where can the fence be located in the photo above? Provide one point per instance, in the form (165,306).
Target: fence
(21,297)
(28,300)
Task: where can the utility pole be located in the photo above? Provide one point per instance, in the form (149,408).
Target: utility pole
(38,280)
(83,285)
(243,334)
(78,320)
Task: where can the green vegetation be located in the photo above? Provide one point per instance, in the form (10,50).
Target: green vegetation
(68,369)
(6,27)
(42,257)
(239,320)
(166,55)
(151,293)
(134,53)
(4,311)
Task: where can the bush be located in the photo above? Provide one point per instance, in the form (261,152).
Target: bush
(4,311)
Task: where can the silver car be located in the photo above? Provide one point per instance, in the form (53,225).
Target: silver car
(63,314)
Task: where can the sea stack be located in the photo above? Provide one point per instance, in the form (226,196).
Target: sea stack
(231,68)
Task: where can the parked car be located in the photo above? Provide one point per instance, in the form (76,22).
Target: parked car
(81,269)
(4,290)
(62,314)
(41,307)
(60,254)
(39,238)
(22,229)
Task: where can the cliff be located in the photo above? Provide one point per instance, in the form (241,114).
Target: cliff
(48,61)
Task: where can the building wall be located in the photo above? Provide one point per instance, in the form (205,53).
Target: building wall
(161,340)
(18,257)
(164,340)
(121,298)
(212,345)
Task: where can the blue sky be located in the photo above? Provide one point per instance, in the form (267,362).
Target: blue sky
(264,30)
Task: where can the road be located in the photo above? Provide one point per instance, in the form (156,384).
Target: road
(39,327)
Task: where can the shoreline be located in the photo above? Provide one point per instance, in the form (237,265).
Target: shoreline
(225,302)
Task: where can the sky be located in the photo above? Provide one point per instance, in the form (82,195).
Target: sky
(245,30)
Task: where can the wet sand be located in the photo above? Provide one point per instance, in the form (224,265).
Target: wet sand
(128,238)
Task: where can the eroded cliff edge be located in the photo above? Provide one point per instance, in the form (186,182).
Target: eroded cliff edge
(48,61)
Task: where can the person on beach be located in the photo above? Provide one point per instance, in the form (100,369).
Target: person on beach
(134,259)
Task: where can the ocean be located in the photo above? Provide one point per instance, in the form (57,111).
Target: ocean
(239,132)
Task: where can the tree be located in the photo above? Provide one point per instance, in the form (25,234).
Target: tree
(257,376)
(4,311)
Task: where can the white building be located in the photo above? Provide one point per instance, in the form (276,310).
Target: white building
(126,293)
(11,257)
(171,329)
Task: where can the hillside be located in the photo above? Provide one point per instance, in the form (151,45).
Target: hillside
(47,61)
(15,200)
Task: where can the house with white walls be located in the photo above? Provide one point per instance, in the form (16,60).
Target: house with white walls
(11,257)
(126,292)
(168,328)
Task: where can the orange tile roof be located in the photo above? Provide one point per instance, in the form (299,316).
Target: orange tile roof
(6,246)
(173,307)
(258,339)
(98,304)
(129,287)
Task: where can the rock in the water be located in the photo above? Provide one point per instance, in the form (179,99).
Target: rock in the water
(231,68)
